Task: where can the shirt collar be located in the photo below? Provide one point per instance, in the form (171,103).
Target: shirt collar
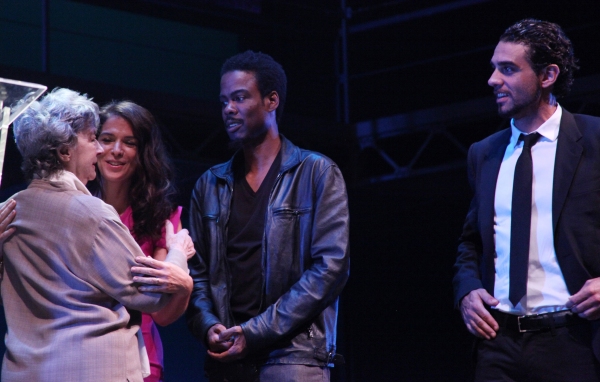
(70,180)
(548,130)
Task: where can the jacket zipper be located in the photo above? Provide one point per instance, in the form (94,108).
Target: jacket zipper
(264,246)
(222,244)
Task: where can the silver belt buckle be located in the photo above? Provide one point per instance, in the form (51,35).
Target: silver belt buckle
(519,323)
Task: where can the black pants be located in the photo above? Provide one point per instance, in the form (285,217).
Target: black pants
(565,355)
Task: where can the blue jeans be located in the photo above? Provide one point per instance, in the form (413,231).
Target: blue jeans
(294,373)
(247,372)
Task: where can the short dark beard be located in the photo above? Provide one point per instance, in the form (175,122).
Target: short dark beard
(516,109)
(236,144)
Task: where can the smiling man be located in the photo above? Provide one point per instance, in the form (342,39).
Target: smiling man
(271,234)
(527,272)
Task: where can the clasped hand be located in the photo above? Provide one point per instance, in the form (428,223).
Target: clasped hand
(226,345)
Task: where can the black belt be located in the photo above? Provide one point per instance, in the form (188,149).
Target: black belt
(536,322)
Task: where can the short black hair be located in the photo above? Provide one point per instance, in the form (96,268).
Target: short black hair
(268,73)
(548,44)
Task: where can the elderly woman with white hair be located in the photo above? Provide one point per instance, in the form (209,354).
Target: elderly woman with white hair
(67,263)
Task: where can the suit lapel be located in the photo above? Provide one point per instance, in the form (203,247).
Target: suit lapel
(568,154)
(490,167)
(489,177)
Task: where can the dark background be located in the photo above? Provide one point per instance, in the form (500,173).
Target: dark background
(416,98)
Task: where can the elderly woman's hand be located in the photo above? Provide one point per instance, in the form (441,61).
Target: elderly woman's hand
(190,251)
(180,241)
(161,277)
(7,214)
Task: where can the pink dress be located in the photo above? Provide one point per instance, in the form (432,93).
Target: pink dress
(149,330)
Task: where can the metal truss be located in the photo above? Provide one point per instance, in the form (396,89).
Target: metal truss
(442,121)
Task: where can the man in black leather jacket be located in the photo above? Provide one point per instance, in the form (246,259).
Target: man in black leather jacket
(271,233)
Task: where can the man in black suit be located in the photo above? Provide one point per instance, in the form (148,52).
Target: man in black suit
(527,275)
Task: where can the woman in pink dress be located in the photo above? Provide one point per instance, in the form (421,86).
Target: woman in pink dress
(135,177)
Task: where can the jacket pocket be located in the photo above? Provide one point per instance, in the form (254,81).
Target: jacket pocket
(286,245)
(289,213)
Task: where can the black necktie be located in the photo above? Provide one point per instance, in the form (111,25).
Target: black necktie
(521,220)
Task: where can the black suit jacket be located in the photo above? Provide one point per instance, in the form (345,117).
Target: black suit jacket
(575,210)
(575,207)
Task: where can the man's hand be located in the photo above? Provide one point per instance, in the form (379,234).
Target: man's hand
(586,302)
(478,320)
(237,349)
(215,345)
(161,277)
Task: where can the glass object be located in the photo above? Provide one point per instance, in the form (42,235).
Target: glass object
(15,98)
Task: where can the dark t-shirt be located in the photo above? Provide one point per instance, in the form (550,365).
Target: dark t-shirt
(245,231)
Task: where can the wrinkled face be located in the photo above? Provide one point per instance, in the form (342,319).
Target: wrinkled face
(119,160)
(516,85)
(84,155)
(243,109)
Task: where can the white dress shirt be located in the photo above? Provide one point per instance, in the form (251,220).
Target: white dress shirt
(546,287)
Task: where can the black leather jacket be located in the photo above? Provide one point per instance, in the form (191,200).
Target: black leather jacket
(305,259)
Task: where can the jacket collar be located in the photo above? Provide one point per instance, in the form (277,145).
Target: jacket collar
(64,180)
(290,157)
(568,154)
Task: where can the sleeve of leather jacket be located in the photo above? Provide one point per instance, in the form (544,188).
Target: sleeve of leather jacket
(466,268)
(320,285)
(200,316)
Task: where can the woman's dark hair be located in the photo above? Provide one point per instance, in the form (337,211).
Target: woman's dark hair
(152,190)
(548,44)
